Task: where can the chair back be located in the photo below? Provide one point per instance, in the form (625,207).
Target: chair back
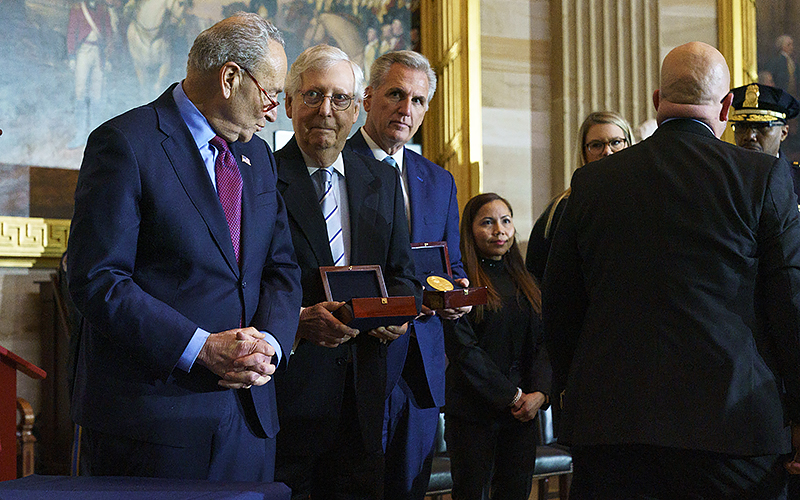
(546,432)
(440,446)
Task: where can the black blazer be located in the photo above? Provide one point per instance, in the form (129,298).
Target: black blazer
(490,359)
(670,297)
(310,392)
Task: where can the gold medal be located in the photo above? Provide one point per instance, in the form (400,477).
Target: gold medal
(439,283)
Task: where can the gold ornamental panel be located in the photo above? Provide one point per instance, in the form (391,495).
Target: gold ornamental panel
(32,241)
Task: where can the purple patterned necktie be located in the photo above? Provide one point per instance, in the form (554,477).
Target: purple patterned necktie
(229,189)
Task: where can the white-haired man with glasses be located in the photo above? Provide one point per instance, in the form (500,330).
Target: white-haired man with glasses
(344,209)
(181,263)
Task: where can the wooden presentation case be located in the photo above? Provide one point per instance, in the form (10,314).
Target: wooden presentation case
(367,304)
(433,259)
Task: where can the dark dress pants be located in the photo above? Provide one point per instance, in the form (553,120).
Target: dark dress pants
(227,451)
(627,472)
(343,469)
(409,434)
(494,460)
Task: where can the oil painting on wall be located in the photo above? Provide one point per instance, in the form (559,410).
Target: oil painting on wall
(778,38)
(69,65)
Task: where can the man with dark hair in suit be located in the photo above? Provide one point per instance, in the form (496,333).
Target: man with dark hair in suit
(401,86)
(181,262)
(670,306)
(344,209)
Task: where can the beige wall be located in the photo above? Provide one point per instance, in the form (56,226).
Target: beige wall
(687,20)
(21,323)
(516,74)
(515,51)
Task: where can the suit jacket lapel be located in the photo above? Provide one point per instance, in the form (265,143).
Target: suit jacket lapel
(301,201)
(359,144)
(192,174)
(417,196)
(415,182)
(362,199)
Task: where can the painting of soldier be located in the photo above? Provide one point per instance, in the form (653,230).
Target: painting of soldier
(96,58)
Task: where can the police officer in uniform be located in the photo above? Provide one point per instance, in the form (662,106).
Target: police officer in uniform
(760,118)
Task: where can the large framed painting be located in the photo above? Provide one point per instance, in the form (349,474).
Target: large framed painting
(68,65)
(778,39)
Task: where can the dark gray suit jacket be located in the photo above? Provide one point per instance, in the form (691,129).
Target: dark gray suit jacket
(310,392)
(672,297)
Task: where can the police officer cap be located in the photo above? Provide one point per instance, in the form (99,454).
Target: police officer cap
(761,103)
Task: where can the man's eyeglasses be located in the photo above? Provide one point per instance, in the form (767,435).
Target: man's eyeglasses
(597,147)
(339,102)
(272,102)
(761,128)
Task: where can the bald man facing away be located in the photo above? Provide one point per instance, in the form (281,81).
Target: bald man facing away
(671,306)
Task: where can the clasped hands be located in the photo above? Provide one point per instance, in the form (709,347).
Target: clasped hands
(241,357)
(527,406)
(318,325)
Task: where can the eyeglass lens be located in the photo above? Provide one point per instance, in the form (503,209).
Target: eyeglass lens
(760,128)
(616,144)
(339,102)
(273,102)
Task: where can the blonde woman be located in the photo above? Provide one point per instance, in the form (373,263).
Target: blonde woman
(602,133)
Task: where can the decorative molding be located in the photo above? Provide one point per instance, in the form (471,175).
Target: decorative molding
(32,241)
(605,56)
(736,21)
(452,132)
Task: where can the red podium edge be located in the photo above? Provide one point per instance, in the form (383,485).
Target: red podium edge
(10,363)
(22,365)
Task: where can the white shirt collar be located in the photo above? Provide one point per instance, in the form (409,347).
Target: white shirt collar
(338,164)
(379,153)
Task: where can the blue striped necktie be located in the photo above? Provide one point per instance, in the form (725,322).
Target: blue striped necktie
(391,161)
(332,214)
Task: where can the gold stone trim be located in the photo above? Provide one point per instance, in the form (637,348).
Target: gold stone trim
(32,241)
(736,24)
(452,132)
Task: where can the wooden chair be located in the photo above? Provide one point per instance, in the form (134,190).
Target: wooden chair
(552,460)
(26,441)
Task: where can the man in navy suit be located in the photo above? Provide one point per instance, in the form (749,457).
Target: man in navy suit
(331,399)
(401,86)
(181,261)
(671,308)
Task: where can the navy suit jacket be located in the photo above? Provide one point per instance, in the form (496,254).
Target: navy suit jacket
(670,298)
(310,393)
(434,217)
(150,260)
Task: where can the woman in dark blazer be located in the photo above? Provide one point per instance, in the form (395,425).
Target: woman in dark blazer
(499,373)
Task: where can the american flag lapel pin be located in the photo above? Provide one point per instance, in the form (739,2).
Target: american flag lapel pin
(246,160)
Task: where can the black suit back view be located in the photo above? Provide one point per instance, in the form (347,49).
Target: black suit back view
(671,300)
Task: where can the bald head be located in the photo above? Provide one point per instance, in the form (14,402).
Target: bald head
(694,73)
(694,79)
